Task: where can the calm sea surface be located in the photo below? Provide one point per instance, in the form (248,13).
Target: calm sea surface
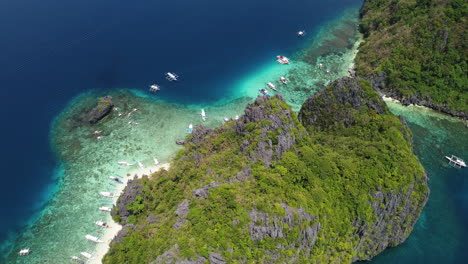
(52,51)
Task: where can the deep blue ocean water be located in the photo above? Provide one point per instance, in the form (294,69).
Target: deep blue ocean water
(53,50)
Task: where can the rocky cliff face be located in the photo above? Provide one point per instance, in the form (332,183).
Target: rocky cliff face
(273,188)
(338,105)
(103,108)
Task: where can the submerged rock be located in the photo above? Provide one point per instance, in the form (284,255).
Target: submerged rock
(103,108)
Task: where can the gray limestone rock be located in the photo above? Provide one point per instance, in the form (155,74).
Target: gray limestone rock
(102,109)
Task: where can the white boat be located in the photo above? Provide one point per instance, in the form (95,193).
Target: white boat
(86,255)
(284,80)
(101,224)
(156,161)
(141,165)
(155,88)
(124,163)
(456,161)
(272,86)
(226,119)
(105,209)
(203,115)
(93,239)
(107,194)
(301,33)
(282,60)
(75,258)
(24,252)
(171,76)
(190,128)
(236,118)
(115,179)
(264,91)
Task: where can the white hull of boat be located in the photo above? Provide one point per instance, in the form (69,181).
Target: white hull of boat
(86,255)
(107,194)
(93,239)
(105,209)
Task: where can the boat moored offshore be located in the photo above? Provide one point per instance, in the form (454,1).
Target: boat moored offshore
(107,194)
(456,161)
(86,255)
(116,179)
(190,128)
(284,80)
(171,76)
(272,86)
(93,239)
(105,209)
(282,59)
(124,163)
(101,224)
(203,115)
(155,88)
(264,91)
(24,252)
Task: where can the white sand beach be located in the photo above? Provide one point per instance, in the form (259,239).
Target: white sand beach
(114,228)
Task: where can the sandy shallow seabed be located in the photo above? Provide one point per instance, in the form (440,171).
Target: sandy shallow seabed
(111,232)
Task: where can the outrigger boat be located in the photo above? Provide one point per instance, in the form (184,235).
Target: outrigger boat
(124,163)
(456,161)
(75,258)
(115,179)
(101,224)
(171,76)
(284,80)
(264,91)
(156,161)
(105,209)
(93,239)
(190,128)
(154,88)
(282,60)
(141,165)
(272,86)
(203,115)
(86,255)
(24,252)
(107,194)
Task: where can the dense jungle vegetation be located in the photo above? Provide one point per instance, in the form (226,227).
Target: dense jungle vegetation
(421,45)
(327,179)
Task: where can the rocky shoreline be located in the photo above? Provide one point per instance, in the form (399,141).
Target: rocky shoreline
(379,83)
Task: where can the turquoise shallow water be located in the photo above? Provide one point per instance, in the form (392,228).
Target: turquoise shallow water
(143,127)
(58,231)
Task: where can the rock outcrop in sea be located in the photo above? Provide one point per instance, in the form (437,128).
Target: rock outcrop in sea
(336,185)
(103,108)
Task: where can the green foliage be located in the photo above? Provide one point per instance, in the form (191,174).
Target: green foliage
(331,174)
(421,46)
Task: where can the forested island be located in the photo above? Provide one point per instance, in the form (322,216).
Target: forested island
(335,183)
(416,51)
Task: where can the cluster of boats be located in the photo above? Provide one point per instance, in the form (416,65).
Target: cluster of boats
(172,77)
(270,85)
(100,223)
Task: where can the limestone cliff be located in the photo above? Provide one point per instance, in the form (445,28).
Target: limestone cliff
(338,184)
